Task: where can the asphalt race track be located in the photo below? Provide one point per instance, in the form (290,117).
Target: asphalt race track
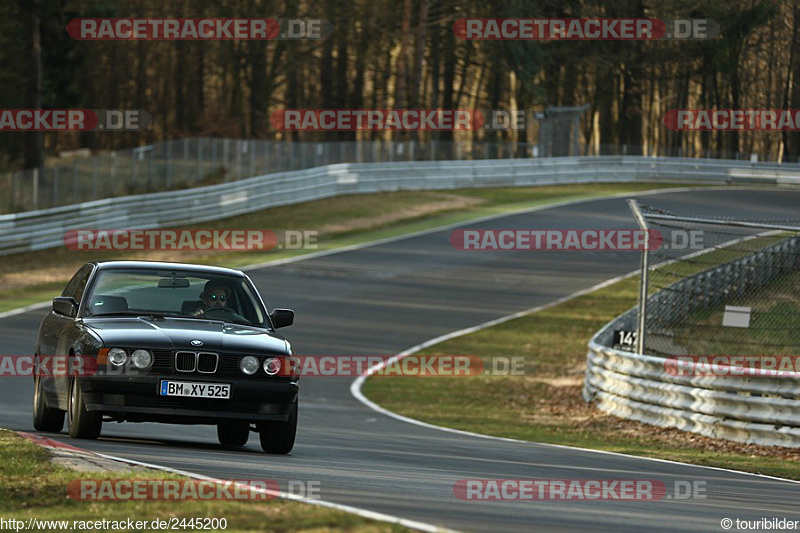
(386,298)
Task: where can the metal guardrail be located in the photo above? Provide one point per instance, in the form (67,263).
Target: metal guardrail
(36,230)
(756,409)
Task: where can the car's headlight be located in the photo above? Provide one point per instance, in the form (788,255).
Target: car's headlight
(272,366)
(117,356)
(141,359)
(249,365)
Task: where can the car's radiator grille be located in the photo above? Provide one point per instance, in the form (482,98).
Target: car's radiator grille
(207,362)
(185,361)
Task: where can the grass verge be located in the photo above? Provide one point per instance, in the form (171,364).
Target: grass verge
(545,404)
(33,277)
(33,487)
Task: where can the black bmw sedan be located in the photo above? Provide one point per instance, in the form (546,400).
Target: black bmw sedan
(173,343)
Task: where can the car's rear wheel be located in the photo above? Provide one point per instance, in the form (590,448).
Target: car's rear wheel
(278,437)
(82,424)
(45,418)
(233,433)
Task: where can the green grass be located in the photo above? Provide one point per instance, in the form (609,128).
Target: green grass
(33,487)
(33,277)
(545,404)
(774,321)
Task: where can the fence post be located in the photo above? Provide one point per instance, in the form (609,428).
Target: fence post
(133,171)
(199,177)
(185,162)
(642,311)
(152,181)
(13,191)
(169,164)
(94,177)
(239,149)
(74,181)
(35,188)
(252,158)
(214,166)
(55,186)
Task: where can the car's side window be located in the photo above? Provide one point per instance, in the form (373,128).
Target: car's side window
(77,284)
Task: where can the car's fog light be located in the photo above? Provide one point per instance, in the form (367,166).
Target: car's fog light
(272,366)
(141,359)
(117,356)
(249,365)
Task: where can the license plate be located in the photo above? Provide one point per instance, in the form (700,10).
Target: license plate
(189,389)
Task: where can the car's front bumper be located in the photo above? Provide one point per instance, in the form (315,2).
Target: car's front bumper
(136,399)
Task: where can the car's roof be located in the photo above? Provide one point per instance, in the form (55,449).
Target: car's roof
(161,265)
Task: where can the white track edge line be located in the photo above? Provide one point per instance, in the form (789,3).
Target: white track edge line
(365,513)
(355,387)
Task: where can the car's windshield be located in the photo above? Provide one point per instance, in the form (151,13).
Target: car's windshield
(120,292)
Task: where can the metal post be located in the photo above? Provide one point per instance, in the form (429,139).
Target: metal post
(74,181)
(642,314)
(151,179)
(169,164)
(214,165)
(239,148)
(36,188)
(113,170)
(55,186)
(185,161)
(133,172)
(199,177)
(13,191)
(94,177)
(252,158)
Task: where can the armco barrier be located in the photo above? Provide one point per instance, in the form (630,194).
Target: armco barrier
(752,409)
(36,230)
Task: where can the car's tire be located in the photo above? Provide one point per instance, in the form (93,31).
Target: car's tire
(82,424)
(45,418)
(278,437)
(233,432)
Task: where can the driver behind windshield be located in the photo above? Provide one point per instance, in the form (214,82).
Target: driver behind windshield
(216,295)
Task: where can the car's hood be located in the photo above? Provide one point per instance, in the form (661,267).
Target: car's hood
(176,333)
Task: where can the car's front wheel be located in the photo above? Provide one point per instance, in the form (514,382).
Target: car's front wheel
(233,433)
(278,437)
(82,424)
(45,418)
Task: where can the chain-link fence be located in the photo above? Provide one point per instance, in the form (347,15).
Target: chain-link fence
(722,286)
(192,162)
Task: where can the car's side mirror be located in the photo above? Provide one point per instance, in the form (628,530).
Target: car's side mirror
(65,305)
(282,318)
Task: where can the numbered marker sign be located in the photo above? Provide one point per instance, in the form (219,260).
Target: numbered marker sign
(624,340)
